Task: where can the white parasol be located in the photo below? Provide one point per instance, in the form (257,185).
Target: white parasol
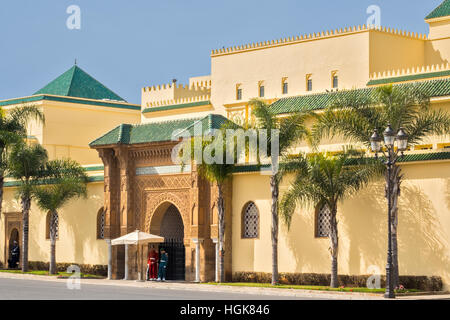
(137,238)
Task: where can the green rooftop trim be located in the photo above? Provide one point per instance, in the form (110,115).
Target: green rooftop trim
(319,101)
(408,158)
(75,82)
(409,78)
(11,184)
(156,132)
(177,106)
(123,105)
(442,10)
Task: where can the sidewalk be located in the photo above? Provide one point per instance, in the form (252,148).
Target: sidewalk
(227,289)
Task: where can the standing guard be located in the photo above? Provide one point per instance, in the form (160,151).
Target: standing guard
(152,264)
(164,259)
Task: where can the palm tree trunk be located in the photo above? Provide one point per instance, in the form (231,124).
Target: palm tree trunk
(26,203)
(334,241)
(2,180)
(221,211)
(53,243)
(274,187)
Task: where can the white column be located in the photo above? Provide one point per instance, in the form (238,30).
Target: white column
(108,242)
(216,241)
(126,263)
(197,258)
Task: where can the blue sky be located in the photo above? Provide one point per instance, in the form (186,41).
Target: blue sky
(127,45)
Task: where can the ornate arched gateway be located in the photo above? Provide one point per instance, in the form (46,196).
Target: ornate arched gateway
(142,186)
(168,223)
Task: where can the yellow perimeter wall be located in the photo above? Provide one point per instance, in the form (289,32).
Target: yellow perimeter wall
(77,242)
(423,232)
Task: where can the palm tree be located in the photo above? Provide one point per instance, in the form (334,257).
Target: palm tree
(290,129)
(219,172)
(326,180)
(355,114)
(13,129)
(26,164)
(62,181)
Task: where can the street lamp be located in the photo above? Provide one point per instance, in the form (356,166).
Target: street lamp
(391,158)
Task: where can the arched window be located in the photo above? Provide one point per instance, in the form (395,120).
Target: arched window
(48,224)
(250,221)
(101,224)
(323,216)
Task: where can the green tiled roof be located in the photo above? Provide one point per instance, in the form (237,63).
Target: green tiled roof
(155,132)
(410,78)
(442,11)
(77,83)
(436,88)
(211,121)
(177,106)
(121,105)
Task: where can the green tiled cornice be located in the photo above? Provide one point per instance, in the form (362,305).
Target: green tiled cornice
(70,100)
(9,184)
(408,158)
(410,78)
(177,106)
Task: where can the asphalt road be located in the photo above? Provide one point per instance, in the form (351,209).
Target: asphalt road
(21,289)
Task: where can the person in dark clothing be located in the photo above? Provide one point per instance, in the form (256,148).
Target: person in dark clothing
(163,260)
(15,256)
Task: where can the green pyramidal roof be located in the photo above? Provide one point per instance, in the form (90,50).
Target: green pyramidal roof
(77,83)
(442,11)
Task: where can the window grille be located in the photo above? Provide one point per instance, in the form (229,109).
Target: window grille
(251,221)
(323,222)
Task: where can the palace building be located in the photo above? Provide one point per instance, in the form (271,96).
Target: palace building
(126,150)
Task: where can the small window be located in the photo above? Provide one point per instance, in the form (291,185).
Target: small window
(323,225)
(335,82)
(101,223)
(285,86)
(424,147)
(48,225)
(261,91)
(309,84)
(250,221)
(238,92)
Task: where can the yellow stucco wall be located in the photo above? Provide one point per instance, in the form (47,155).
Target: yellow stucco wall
(347,54)
(423,233)
(70,127)
(77,242)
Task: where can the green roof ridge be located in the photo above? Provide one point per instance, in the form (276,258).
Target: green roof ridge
(75,82)
(443,10)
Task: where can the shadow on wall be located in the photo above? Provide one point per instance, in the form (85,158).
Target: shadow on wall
(362,223)
(422,242)
(309,254)
(82,229)
(447,198)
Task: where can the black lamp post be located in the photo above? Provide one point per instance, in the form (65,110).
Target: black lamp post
(391,158)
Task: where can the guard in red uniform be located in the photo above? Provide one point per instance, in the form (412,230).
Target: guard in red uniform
(152,264)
